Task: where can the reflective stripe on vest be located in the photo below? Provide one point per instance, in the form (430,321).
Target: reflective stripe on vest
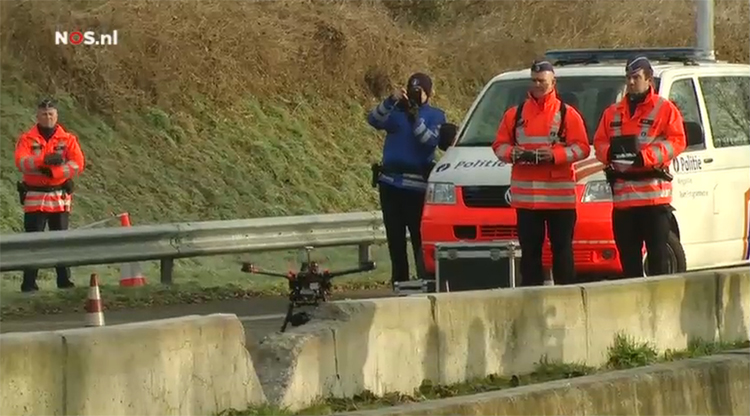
(643,190)
(54,201)
(404,180)
(539,193)
(523,139)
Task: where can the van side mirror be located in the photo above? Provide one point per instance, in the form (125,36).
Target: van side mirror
(694,134)
(447,135)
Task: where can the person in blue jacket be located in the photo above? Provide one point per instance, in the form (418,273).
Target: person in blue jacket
(412,129)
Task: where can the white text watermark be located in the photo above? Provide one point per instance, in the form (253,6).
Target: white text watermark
(85,38)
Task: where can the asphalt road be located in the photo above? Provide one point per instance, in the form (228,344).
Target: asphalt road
(260,316)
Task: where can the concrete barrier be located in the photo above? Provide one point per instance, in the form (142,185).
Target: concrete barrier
(199,365)
(389,345)
(31,374)
(715,385)
(382,345)
(733,313)
(507,331)
(665,311)
(193,365)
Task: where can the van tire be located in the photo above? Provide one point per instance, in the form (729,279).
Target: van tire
(677,260)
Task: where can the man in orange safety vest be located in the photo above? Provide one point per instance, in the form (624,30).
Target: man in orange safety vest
(637,139)
(49,158)
(542,138)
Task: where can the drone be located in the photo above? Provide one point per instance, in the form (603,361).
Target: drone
(310,286)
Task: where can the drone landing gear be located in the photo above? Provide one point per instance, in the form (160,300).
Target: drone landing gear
(311,286)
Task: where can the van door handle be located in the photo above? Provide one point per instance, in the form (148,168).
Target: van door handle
(708,160)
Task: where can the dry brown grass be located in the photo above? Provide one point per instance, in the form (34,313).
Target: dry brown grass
(225,49)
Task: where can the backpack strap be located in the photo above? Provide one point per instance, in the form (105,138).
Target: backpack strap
(563,111)
(519,112)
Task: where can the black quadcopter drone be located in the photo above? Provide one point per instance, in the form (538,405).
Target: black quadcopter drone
(310,286)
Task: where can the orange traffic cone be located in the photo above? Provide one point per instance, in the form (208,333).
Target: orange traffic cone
(94,313)
(130,273)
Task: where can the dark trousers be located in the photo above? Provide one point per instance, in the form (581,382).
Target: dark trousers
(559,225)
(402,209)
(632,228)
(36,222)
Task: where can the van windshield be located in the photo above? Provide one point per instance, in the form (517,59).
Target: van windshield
(589,95)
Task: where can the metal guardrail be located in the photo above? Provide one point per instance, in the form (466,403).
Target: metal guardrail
(167,242)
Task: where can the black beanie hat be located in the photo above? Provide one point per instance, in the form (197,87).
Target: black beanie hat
(421,80)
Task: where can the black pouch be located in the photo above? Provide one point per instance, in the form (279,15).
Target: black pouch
(428,169)
(21,188)
(376,169)
(664,174)
(68,186)
(610,174)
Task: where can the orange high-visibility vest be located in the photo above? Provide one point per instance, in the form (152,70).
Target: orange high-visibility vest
(46,194)
(543,186)
(658,124)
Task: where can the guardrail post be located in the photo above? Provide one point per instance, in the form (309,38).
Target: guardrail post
(167,267)
(365,253)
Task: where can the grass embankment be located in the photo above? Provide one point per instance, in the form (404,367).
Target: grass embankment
(623,354)
(225,110)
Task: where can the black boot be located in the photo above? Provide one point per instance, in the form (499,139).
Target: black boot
(63,278)
(65,284)
(29,281)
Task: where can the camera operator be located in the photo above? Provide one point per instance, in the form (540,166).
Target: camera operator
(412,129)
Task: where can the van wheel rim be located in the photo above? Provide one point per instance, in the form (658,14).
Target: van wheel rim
(672,264)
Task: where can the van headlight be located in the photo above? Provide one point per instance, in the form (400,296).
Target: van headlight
(441,193)
(597,191)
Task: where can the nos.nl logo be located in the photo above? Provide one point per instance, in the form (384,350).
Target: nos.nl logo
(85,38)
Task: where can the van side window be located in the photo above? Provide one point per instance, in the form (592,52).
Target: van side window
(728,106)
(683,95)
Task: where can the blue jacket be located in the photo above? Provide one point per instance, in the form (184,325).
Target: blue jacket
(408,147)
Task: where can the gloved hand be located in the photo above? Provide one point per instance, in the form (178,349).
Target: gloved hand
(520,155)
(46,172)
(544,155)
(53,159)
(529,157)
(516,154)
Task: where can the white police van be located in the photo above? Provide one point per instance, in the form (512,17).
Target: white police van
(468,193)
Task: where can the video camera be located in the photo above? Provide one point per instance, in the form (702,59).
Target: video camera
(308,287)
(414,96)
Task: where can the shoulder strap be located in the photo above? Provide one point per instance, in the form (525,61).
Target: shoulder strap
(519,113)
(563,111)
